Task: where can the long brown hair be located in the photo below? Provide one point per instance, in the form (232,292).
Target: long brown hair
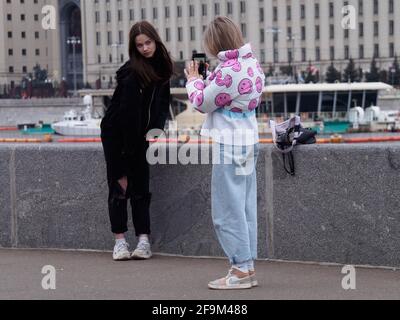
(162,68)
(222,34)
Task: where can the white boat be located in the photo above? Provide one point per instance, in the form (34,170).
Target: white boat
(77,123)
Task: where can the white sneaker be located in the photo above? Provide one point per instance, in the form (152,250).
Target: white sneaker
(121,252)
(142,251)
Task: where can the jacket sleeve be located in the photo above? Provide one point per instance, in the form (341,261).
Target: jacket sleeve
(214,93)
(164,103)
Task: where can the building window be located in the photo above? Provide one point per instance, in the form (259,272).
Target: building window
(204,10)
(317,54)
(216,9)
(391,27)
(179,33)
(289,13)
(261,14)
(361,29)
(391,50)
(346,52)
(331,10)
(192,34)
(229,8)
(331,31)
(360,7)
(332,53)
(242,7)
(243,28)
(376,7)
(391,6)
(376,50)
(376,29)
(303,11)
(316,9)
(303,54)
(191,10)
(361,52)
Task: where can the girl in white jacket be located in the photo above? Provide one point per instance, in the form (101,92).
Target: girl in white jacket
(230,96)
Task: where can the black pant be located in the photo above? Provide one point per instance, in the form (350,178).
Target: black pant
(136,169)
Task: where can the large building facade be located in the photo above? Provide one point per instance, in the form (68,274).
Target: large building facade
(24,42)
(282,32)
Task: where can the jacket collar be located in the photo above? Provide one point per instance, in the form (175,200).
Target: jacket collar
(243,52)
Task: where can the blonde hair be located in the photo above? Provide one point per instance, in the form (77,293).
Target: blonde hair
(222,34)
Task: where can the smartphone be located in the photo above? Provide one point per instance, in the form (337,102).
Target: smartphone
(201,59)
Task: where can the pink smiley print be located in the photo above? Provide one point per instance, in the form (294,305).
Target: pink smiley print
(199,99)
(227,81)
(232,54)
(192,96)
(245,86)
(236,110)
(235,64)
(212,76)
(199,85)
(253,104)
(222,100)
(248,56)
(250,72)
(259,85)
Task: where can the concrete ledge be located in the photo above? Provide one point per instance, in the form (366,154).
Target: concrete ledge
(342,206)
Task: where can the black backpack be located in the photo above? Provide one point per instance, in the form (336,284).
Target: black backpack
(287,135)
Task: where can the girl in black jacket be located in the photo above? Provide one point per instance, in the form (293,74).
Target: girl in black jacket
(140,103)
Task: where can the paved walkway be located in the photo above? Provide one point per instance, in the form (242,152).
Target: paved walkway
(93,275)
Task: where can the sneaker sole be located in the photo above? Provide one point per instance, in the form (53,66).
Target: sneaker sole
(122,259)
(236,287)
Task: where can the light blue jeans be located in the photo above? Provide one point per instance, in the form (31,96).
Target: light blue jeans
(234,200)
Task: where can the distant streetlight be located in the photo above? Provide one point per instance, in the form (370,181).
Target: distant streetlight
(392,71)
(74,41)
(117,45)
(274,30)
(292,38)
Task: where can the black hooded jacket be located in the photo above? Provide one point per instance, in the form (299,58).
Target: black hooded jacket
(133,111)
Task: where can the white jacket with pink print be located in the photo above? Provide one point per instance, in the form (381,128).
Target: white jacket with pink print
(230,96)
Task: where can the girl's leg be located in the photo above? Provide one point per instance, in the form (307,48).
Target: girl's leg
(228,200)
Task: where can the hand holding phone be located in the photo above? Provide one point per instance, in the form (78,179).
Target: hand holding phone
(202,61)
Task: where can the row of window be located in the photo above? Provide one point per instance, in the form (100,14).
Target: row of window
(317,33)
(22,1)
(361,54)
(192,35)
(23,34)
(167,14)
(23,52)
(22,17)
(331,10)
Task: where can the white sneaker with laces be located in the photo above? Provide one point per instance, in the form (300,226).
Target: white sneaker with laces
(121,252)
(142,251)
